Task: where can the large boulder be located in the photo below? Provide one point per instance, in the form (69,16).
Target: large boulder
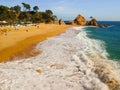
(80,20)
(93,22)
(61,22)
(103,26)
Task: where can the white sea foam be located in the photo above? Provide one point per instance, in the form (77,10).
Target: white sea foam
(70,61)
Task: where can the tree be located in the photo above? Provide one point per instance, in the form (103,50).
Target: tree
(26,15)
(54,17)
(23,16)
(3,9)
(47,16)
(49,12)
(4,12)
(12,17)
(17,9)
(14,14)
(37,17)
(26,6)
(12,8)
(35,8)
(91,17)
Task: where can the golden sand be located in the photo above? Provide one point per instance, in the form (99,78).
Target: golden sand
(16,41)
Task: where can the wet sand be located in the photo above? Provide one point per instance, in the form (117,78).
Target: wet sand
(17,41)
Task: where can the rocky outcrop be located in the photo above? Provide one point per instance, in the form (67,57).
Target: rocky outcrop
(103,26)
(93,22)
(61,22)
(79,20)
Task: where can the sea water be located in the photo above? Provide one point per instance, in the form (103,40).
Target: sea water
(110,36)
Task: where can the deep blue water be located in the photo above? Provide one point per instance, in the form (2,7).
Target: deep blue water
(110,36)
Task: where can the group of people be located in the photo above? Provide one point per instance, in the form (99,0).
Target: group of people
(16,27)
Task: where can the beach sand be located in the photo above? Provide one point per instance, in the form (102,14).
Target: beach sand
(13,42)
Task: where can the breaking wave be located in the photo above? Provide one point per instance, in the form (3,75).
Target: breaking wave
(94,51)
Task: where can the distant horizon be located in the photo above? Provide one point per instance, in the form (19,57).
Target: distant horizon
(97,20)
(107,10)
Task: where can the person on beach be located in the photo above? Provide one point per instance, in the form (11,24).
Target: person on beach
(37,26)
(26,30)
(16,27)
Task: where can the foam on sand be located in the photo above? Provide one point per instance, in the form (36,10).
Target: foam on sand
(70,61)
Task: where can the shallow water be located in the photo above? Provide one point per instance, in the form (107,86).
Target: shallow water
(110,36)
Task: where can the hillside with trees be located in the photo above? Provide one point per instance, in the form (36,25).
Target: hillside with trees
(25,14)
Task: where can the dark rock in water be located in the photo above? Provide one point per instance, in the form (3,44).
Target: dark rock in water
(103,26)
(93,22)
(79,20)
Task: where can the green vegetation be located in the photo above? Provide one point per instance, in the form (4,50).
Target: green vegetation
(15,14)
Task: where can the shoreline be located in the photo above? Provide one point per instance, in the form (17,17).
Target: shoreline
(29,41)
(75,60)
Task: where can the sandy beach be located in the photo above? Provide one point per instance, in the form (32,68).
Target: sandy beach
(69,61)
(13,40)
(59,45)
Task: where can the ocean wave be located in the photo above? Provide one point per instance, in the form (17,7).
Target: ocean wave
(70,61)
(104,68)
(111,26)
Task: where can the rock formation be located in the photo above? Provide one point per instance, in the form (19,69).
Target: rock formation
(80,20)
(93,22)
(103,26)
(61,22)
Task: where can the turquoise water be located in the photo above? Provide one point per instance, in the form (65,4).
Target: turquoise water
(110,36)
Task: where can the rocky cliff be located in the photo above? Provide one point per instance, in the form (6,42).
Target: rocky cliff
(79,20)
(93,22)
